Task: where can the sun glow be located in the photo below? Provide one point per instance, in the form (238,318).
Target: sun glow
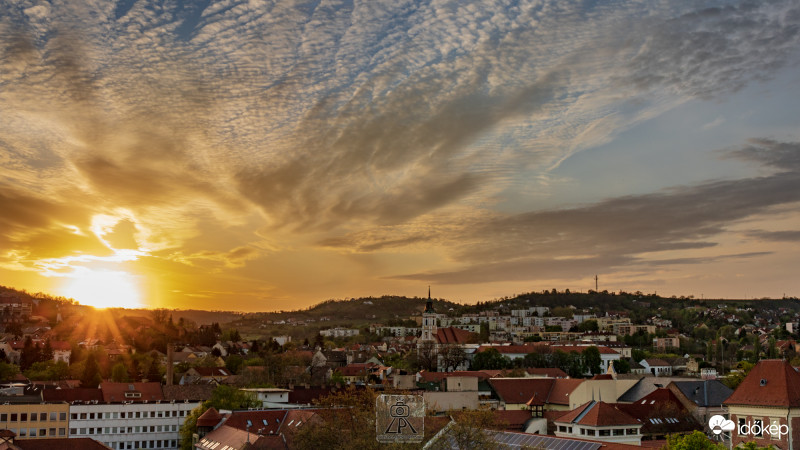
(104,289)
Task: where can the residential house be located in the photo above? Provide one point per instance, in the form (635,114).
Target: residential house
(657,367)
(599,421)
(765,407)
(703,399)
(206,375)
(516,393)
(661,414)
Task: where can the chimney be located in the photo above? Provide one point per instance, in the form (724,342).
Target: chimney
(170,364)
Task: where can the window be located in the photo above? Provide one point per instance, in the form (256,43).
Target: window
(34,417)
(619,432)
(758,427)
(631,431)
(23,417)
(73,431)
(14,417)
(82,431)
(32,432)
(53,416)
(115,415)
(42,416)
(91,416)
(51,432)
(62,431)
(83,416)
(605,432)
(3,417)
(62,416)
(73,416)
(583,431)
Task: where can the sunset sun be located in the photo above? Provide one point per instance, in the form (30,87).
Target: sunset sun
(104,289)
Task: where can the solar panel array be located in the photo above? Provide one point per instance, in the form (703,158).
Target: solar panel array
(521,440)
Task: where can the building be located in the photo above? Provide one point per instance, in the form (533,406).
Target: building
(599,421)
(703,399)
(28,417)
(270,397)
(765,407)
(657,367)
(339,332)
(662,345)
(125,416)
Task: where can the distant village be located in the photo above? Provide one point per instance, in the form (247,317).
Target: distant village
(540,376)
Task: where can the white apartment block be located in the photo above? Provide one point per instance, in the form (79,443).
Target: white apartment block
(339,332)
(130,425)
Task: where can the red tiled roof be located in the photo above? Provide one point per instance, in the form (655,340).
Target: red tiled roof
(428,377)
(656,362)
(71,395)
(212,371)
(267,422)
(60,444)
(210,418)
(521,390)
(451,335)
(305,396)
(580,348)
(603,376)
(505,349)
(356,369)
(598,414)
(115,392)
(562,387)
(512,419)
(661,404)
(771,382)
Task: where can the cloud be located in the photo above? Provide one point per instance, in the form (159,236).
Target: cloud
(618,232)
(233,258)
(775,236)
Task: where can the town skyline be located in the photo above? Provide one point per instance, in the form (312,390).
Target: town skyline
(272,156)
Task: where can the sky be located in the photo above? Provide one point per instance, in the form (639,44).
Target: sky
(259,156)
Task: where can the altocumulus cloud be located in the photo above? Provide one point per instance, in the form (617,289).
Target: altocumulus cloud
(372,126)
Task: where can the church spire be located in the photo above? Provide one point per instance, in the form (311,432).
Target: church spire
(429,303)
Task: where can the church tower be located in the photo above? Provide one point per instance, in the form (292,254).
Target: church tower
(428,320)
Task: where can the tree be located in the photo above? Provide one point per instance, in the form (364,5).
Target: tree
(222,397)
(8,371)
(695,441)
(154,371)
(468,431)
(622,365)
(234,363)
(452,357)
(592,359)
(189,426)
(119,373)
(91,373)
(490,359)
(347,421)
(427,356)
(735,378)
